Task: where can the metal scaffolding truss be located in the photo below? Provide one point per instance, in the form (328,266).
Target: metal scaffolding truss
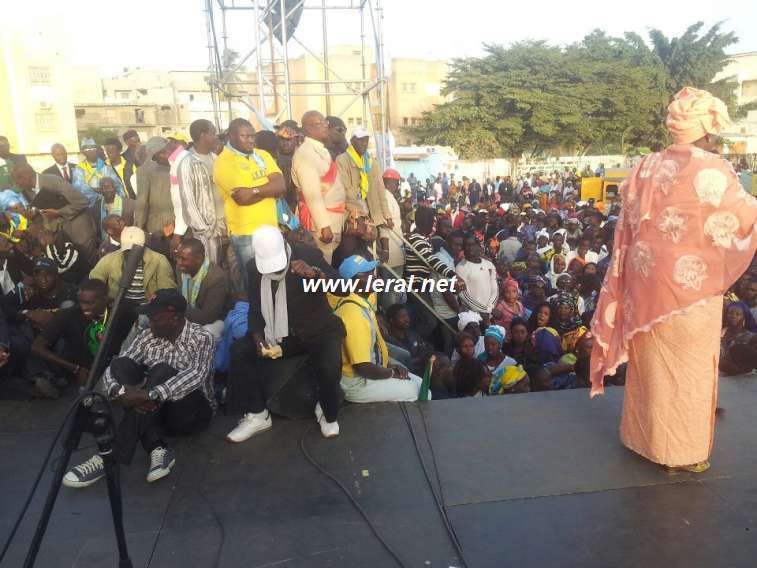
(266,87)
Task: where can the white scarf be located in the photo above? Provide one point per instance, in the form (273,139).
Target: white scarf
(274,310)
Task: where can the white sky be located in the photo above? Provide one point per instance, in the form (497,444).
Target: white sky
(171,33)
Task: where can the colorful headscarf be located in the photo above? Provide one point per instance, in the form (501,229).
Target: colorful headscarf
(497,332)
(694,113)
(546,341)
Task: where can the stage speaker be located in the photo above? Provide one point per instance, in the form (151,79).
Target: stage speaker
(292,21)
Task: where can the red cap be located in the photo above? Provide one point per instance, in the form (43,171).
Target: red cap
(391,174)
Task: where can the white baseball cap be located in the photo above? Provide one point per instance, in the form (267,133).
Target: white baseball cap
(360,132)
(131,236)
(270,252)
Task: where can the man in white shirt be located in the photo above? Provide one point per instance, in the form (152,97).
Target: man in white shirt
(480,277)
(62,167)
(315,174)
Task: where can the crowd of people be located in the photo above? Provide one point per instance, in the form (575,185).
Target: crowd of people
(231,225)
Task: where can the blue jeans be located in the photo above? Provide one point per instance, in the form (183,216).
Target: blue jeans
(242,245)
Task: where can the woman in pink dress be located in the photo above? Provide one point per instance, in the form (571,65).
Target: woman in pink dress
(684,236)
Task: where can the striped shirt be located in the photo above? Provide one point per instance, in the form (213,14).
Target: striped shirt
(191,354)
(415,266)
(136,290)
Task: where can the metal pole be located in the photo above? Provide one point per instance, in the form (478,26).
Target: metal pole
(284,41)
(326,58)
(259,60)
(225,37)
(382,78)
(273,65)
(211,64)
(362,63)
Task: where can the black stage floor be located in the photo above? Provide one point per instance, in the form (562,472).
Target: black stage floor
(532,480)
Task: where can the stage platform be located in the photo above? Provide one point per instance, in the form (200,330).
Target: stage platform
(529,480)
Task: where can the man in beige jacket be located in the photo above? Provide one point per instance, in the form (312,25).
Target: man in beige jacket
(315,174)
(361,176)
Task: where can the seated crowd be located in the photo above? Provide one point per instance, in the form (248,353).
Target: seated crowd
(232,228)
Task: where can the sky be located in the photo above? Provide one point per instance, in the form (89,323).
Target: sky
(171,34)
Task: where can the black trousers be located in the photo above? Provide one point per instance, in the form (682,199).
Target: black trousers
(182,417)
(247,385)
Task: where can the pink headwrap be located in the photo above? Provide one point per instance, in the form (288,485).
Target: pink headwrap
(510,282)
(694,113)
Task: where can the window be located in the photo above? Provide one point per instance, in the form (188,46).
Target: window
(408,87)
(350,121)
(39,75)
(191,97)
(123,95)
(405,121)
(139,115)
(359,121)
(46,121)
(80,112)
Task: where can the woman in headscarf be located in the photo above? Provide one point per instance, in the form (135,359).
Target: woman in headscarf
(557,266)
(566,321)
(738,352)
(507,377)
(684,236)
(14,223)
(545,366)
(509,305)
(558,245)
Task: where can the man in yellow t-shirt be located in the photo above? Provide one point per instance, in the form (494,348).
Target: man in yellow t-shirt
(366,373)
(250,182)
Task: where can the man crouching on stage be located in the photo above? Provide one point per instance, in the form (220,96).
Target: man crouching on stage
(284,321)
(163,382)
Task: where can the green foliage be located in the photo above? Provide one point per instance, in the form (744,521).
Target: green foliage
(99,135)
(743,110)
(602,93)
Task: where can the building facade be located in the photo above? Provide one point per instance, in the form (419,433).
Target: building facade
(36,91)
(414,87)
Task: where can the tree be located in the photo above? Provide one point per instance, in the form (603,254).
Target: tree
(99,135)
(693,60)
(601,94)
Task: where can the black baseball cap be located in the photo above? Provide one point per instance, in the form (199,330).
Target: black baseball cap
(165,300)
(46,264)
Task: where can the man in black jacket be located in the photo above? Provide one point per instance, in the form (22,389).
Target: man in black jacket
(285,320)
(62,167)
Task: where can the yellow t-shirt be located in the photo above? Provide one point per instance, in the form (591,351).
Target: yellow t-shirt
(233,169)
(363,342)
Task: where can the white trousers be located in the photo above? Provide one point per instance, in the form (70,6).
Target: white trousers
(360,389)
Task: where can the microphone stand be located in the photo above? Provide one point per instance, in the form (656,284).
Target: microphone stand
(94,415)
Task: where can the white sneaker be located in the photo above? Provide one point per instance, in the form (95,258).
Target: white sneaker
(249,425)
(328,429)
